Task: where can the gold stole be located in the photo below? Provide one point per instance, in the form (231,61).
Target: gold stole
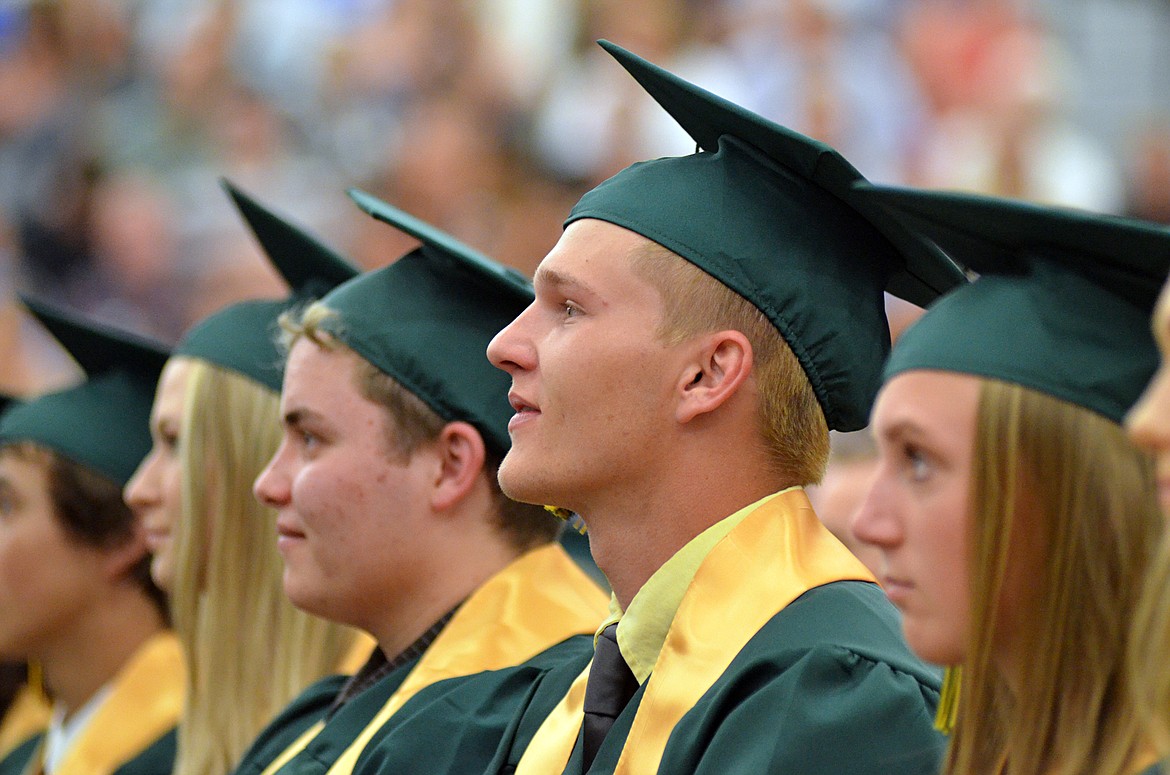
(776,554)
(28,715)
(538,601)
(144,704)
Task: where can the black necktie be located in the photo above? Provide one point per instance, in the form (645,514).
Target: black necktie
(609,688)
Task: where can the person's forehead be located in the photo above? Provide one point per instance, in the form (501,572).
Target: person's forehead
(924,399)
(1161,323)
(315,368)
(591,256)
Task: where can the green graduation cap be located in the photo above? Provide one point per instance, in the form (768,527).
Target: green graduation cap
(1062,304)
(243,337)
(104,422)
(773,215)
(426,321)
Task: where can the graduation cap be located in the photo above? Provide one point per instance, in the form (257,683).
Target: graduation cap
(773,215)
(1062,304)
(243,337)
(104,422)
(426,321)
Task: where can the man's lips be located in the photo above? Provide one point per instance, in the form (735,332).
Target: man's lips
(525,411)
(521,405)
(286,530)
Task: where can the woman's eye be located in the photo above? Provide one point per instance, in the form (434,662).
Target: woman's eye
(918,464)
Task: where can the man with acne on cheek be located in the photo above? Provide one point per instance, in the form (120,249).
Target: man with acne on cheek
(389,519)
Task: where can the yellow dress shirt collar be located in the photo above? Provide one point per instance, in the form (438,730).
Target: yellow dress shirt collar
(643,627)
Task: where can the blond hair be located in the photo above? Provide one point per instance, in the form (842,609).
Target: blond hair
(250,652)
(1059,491)
(791,422)
(1149,650)
(410,423)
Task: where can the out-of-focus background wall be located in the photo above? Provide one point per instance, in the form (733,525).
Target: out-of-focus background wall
(489,118)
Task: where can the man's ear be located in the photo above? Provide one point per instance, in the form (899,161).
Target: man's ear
(460,451)
(721,364)
(118,561)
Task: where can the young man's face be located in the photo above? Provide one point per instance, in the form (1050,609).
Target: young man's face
(49,581)
(350,510)
(591,381)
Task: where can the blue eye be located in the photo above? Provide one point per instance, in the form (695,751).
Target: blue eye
(918,463)
(570,309)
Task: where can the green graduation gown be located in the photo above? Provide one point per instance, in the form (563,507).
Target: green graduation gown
(133,732)
(469,683)
(825,685)
(157,759)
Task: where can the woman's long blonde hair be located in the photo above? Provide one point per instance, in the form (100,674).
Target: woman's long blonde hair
(1149,650)
(1059,494)
(250,652)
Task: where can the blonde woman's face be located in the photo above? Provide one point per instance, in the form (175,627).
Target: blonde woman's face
(917,514)
(154,493)
(1148,422)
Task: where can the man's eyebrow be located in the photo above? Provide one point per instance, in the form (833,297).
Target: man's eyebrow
(560,281)
(297,416)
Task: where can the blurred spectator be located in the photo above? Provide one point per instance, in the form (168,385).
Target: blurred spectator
(852,463)
(828,69)
(488,118)
(595,119)
(996,81)
(1148,195)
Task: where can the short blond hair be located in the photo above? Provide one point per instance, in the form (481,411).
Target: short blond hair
(791,422)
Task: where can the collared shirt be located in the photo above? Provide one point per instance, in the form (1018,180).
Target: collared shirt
(63,732)
(378,666)
(642,629)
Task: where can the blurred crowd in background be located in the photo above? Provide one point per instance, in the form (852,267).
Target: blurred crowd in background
(489,118)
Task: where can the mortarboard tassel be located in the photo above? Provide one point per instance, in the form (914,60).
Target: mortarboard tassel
(572,518)
(948,701)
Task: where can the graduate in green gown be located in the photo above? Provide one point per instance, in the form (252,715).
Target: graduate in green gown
(1015,518)
(390,519)
(701,325)
(75,590)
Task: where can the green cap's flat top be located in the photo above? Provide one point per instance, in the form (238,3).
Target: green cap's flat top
(774,215)
(426,320)
(243,337)
(1062,304)
(104,422)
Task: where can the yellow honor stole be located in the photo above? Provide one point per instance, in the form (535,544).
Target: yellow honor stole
(144,704)
(776,554)
(538,601)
